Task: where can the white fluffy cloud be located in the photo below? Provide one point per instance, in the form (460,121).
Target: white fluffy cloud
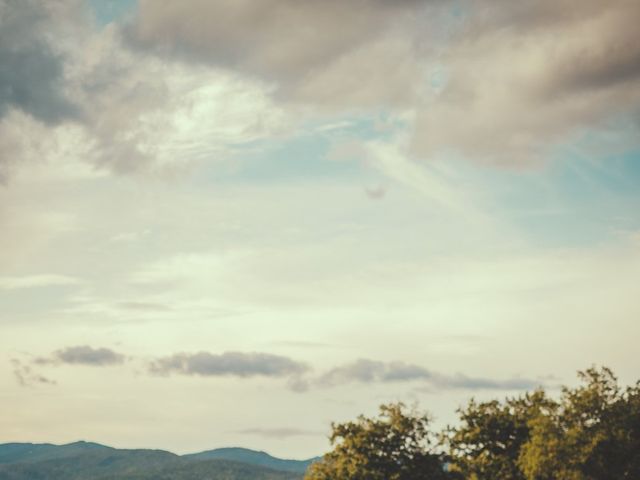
(105,105)
(501,82)
(184,81)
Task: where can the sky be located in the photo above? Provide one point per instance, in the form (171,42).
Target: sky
(232,222)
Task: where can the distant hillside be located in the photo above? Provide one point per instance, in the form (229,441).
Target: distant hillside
(36,452)
(253,457)
(211,470)
(91,461)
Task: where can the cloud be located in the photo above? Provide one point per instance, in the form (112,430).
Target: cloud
(300,344)
(394,160)
(278,433)
(34,281)
(26,377)
(524,78)
(237,364)
(33,82)
(79,355)
(492,80)
(463,382)
(247,365)
(369,371)
(187,82)
(144,307)
(311,52)
(372,371)
(83,355)
(31,71)
(131,113)
(285,41)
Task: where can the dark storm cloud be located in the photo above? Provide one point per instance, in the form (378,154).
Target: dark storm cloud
(83,355)
(238,364)
(31,72)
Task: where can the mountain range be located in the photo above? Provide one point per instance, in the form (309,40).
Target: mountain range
(87,460)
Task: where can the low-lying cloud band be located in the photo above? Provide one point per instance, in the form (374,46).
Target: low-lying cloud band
(83,355)
(299,375)
(237,364)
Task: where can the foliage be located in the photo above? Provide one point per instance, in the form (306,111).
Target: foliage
(591,432)
(395,446)
(113,464)
(594,433)
(487,444)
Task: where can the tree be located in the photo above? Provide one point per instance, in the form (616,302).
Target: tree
(594,434)
(591,432)
(397,445)
(486,445)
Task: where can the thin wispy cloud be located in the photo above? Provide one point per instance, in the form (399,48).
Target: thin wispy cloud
(27,371)
(26,376)
(36,281)
(144,307)
(249,365)
(370,371)
(301,379)
(395,161)
(464,382)
(237,364)
(83,355)
(280,433)
(301,344)
(367,371)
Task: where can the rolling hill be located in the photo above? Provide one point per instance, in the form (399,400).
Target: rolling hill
(92,461)
(263,459)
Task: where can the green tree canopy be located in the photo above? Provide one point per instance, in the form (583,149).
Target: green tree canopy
(486,444)
(397,445)
(592,434)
